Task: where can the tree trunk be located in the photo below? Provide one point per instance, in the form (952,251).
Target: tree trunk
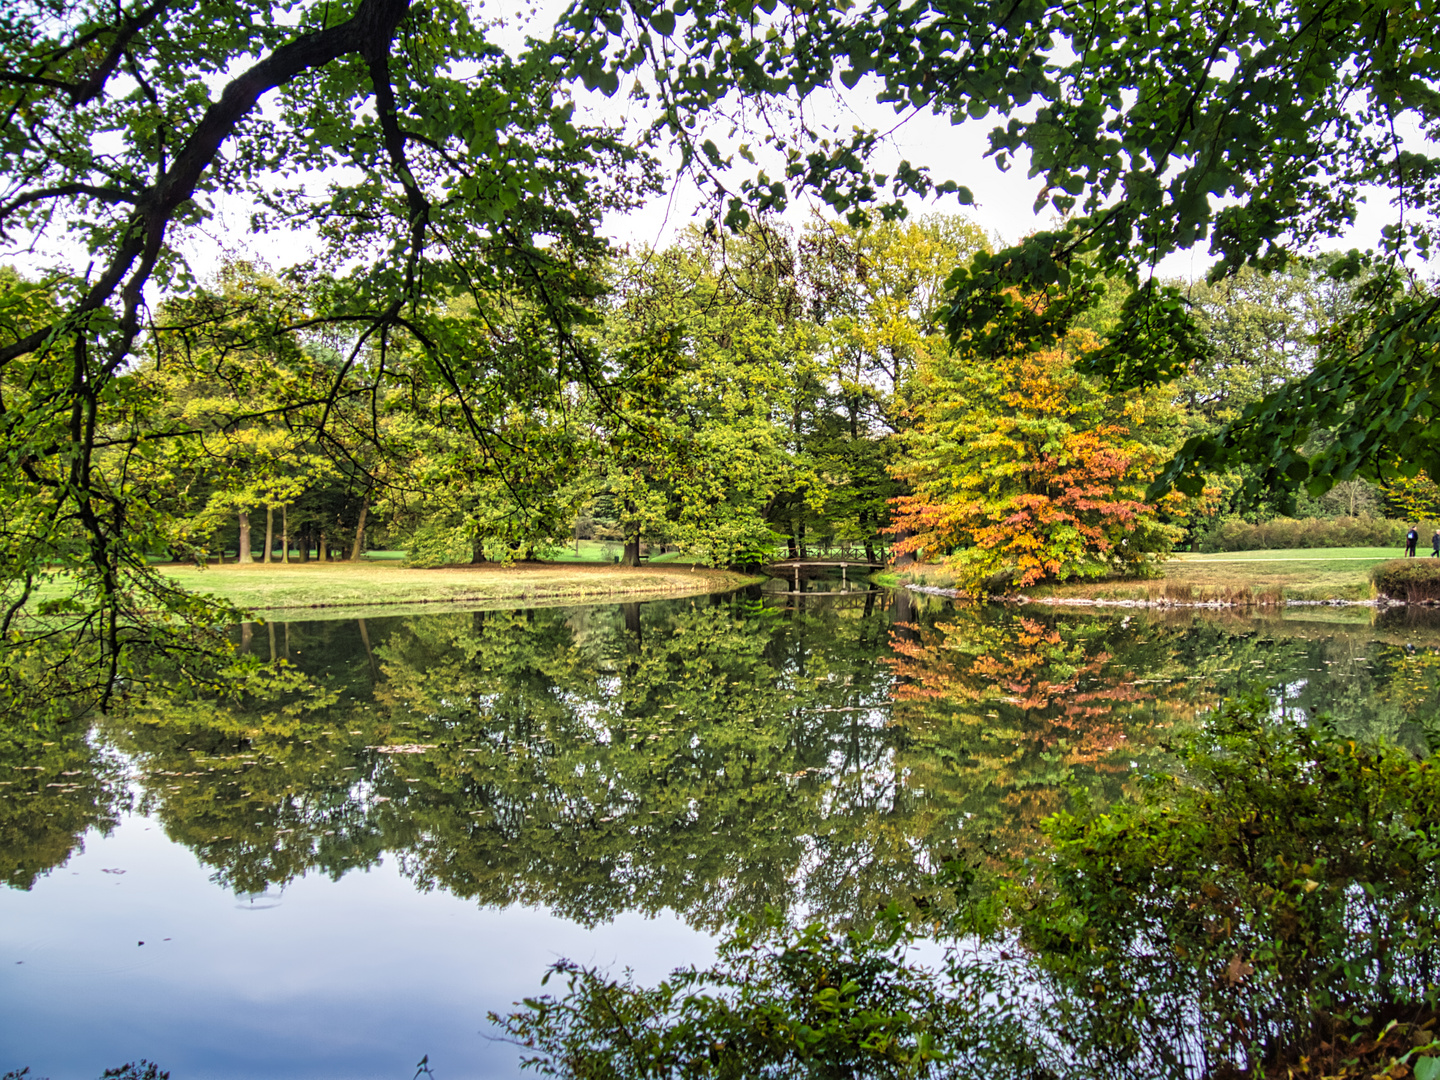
(359,547)
(632,542)
(908,559)
(869,536)
(322,553)
(477,549)
(304,539)
(369,654)
(285,534)
(269,532)
(242,554)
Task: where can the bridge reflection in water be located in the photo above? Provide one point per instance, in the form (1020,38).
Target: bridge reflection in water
(822,571)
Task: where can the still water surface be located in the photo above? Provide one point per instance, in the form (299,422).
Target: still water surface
(348,874)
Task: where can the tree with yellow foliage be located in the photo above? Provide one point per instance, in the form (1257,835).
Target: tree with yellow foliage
(1022,471)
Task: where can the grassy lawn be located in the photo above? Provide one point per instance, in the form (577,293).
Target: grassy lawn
(370,582)
(607,551)
(1255,576)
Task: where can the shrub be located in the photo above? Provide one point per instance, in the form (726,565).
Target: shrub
(1236,535)
(1285,888)
(1416,581)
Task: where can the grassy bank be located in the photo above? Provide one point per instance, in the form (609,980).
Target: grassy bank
(278,586)
(1238,576)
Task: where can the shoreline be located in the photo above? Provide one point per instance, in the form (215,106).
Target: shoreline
(375,587)
(1258,580)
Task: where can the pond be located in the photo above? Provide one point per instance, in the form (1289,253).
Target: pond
(345,874)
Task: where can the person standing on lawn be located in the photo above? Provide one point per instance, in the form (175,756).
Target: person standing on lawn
(1435,544)
(1411,539)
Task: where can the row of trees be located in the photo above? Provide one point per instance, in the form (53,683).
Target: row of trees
(735,395)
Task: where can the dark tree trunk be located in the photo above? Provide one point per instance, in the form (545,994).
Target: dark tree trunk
(632,542)
(269,532)
(908,559)
(869,533)
(322,552)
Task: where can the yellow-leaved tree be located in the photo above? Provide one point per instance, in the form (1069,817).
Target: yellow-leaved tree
(1023,470)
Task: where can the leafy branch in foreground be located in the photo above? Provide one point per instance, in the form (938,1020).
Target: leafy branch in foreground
(464,177)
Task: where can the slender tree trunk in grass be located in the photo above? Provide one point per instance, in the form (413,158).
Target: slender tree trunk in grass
(360,531)
(304,539)
(285,534)
(322,553)
(269,532)
(242,554)
(477,549)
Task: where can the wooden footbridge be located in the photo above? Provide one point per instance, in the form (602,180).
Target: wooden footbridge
(793,567)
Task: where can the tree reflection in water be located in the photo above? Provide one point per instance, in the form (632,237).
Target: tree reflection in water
(710,757)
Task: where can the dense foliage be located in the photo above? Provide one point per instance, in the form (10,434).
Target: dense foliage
(1259,128)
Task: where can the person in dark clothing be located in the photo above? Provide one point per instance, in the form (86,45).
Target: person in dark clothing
(1411,539)
(1435,543)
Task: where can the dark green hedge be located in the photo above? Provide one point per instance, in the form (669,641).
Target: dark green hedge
(1413,580)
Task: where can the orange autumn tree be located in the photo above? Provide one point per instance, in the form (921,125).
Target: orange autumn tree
(1022,470)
